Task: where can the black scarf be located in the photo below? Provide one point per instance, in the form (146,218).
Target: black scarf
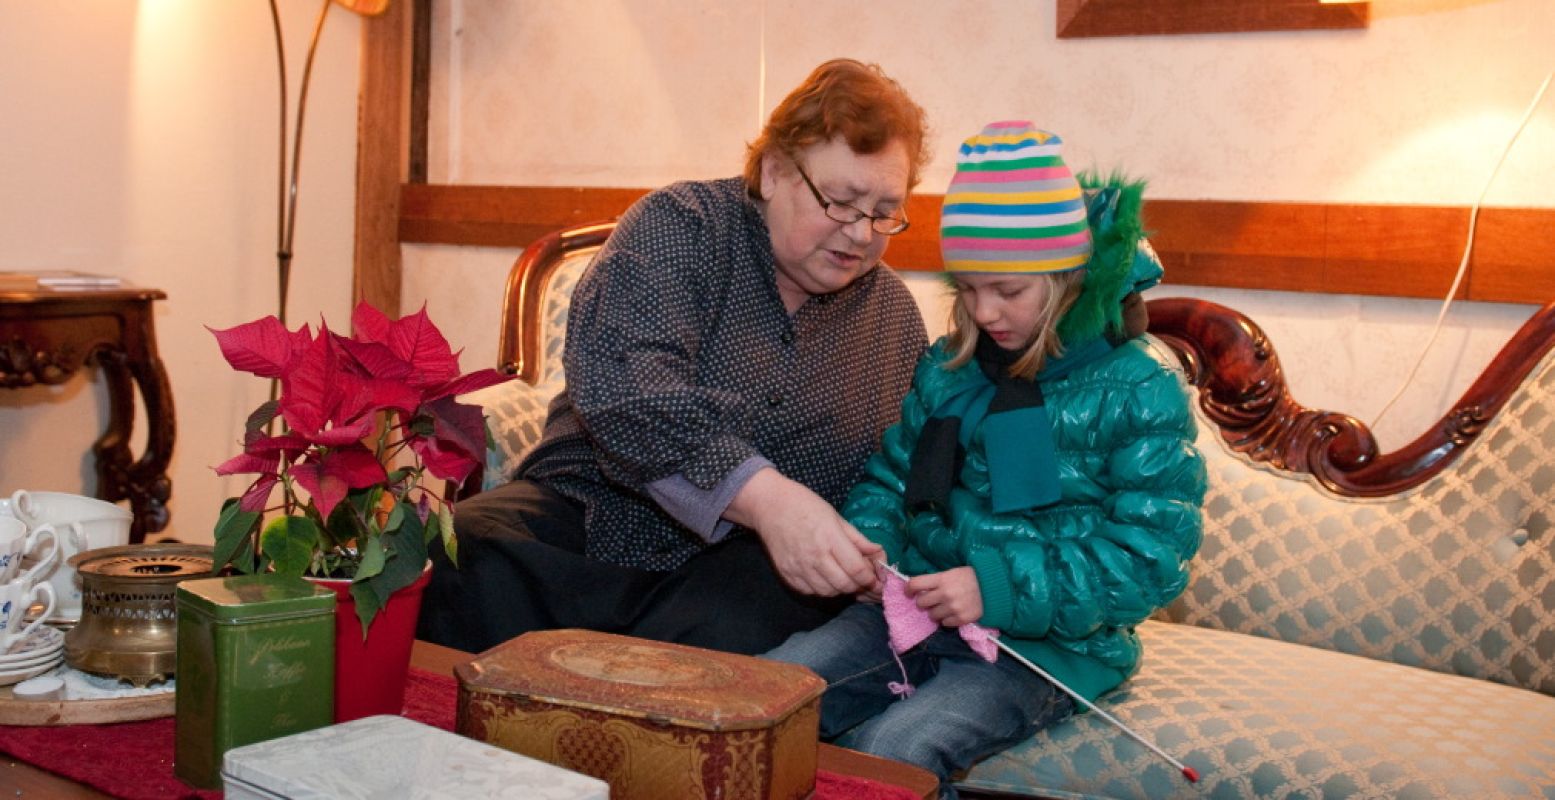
(1017,437)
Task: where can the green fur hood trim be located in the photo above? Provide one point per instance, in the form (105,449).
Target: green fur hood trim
(1118,265)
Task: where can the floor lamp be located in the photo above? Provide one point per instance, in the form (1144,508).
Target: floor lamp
(286,211)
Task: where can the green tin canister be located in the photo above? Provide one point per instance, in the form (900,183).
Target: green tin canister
(256,660)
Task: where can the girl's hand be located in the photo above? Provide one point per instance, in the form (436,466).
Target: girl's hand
(952,597)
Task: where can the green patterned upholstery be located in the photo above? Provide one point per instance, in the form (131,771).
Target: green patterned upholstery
(1456,576)
(1259,718)
(515,411)
(1327,647)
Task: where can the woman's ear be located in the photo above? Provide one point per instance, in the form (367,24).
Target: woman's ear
(773,166)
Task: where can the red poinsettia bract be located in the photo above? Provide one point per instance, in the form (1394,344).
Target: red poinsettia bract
(336,389)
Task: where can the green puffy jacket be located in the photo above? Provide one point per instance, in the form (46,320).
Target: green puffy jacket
(1065,583)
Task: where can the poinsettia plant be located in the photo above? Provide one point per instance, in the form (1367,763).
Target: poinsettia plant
(365,419)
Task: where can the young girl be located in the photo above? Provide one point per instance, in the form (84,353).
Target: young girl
(1041,482)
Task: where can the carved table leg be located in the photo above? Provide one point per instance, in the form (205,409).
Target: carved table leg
(111,451)
(151,488)
(48,335)
(144,482)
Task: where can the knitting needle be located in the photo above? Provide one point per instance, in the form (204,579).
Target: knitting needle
(1188,772)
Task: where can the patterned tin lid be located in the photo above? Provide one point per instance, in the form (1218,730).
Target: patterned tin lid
(667,683)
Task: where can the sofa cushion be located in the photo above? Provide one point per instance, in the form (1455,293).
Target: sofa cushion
(1262,718)
(1457,575)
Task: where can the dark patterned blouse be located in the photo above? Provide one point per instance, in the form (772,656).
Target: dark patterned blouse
(685,370)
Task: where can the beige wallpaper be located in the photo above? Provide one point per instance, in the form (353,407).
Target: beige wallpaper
(638,92)
(138,139)
(1415,109)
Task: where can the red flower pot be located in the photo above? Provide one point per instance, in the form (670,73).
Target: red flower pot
(370,675)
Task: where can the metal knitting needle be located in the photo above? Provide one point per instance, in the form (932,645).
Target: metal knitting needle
(1188,772)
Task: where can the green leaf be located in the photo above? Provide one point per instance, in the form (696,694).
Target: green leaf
(390,562)
(262,415)
(422,425)
(445,521)
(342,525)
(247,560)
(289,543)
(397,517)
(373,557)
(234,536)
(406,561)
(367,605)
(430,531)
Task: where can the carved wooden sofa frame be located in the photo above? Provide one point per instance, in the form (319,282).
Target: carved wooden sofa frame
(1359,624)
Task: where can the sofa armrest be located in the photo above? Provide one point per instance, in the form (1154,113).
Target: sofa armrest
(529,345)
(1437,555)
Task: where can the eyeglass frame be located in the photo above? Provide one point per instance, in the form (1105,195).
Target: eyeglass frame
(827,205)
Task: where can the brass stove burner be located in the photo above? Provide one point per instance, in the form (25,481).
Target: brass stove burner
(128,628)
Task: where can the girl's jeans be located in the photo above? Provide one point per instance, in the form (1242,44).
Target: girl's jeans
(962,708)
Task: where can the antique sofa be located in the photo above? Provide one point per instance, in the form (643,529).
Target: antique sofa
(1359,624)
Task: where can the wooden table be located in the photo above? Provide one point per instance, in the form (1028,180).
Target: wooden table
(47,335)
(25,781)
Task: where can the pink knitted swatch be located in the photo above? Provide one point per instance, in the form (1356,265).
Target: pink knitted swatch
(910,625)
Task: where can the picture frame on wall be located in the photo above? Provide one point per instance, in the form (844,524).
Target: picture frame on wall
(1078,19)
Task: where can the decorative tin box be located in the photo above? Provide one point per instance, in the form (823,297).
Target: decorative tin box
(388,756)
(256,660)
(654,720)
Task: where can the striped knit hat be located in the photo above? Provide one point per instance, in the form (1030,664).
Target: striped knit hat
(1013,205)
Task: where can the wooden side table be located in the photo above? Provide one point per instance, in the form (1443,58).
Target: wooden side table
(47,335)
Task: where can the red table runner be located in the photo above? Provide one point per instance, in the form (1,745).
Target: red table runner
(134,760)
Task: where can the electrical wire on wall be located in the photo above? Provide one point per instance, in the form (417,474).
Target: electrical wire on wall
(761,63)
(1468,248)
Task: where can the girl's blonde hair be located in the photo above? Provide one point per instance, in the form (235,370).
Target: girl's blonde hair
(1061,291)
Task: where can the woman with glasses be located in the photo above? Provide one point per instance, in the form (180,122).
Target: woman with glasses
(732,358)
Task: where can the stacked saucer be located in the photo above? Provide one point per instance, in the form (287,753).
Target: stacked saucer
(41,651)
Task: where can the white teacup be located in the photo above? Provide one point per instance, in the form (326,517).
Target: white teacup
(35,508)
(83,523)
(16,543)
(15,599)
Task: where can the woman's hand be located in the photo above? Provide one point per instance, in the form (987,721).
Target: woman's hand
(952,597)
(814,550)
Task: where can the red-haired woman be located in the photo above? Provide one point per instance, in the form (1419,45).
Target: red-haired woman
(733,356)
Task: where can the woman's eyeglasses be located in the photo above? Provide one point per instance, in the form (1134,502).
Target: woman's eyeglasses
(888,225)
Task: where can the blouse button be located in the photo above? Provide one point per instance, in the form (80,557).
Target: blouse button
(774,400)
(787,337)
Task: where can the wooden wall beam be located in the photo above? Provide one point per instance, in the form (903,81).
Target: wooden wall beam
(420,90)
(1386,250)
(502,216)
(381,153)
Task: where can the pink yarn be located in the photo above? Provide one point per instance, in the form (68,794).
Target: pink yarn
(910,625)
